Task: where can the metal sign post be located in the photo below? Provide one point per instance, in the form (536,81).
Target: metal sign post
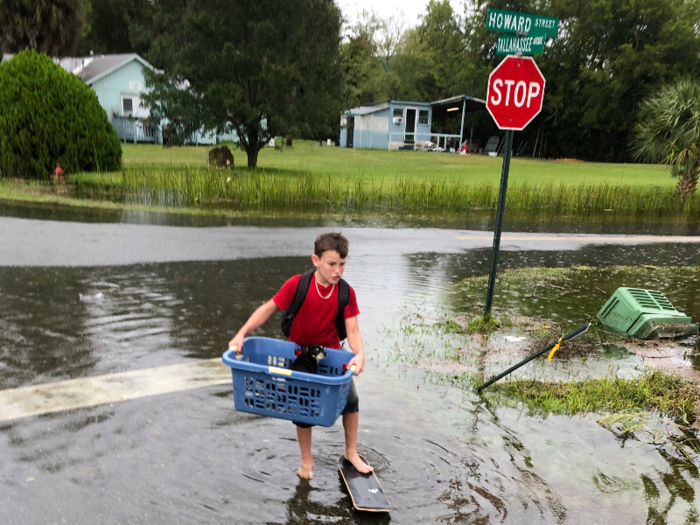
(514,98)
(499,221)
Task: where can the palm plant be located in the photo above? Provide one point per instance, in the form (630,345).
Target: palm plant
(669,132)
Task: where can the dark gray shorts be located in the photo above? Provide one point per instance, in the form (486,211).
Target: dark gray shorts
(352,406)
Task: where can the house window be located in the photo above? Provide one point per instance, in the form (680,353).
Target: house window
(127,107)
(423,116)
(398,112)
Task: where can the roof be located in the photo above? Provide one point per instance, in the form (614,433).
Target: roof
(458,98)
(366,110)
(470,103)
(93,68)
(409,103)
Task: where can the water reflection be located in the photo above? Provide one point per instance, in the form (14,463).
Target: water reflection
(62,323)
(304,509)
(42,327)
(480,220)
(584,300)
(663,492)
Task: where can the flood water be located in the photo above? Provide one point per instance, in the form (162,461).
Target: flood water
(441,454)
(481,220)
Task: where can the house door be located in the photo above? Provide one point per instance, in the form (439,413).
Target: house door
(409,129)
(350,132)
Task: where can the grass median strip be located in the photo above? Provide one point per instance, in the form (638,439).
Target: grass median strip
(584,238)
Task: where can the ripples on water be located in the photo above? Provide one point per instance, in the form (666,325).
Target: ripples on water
(443,456)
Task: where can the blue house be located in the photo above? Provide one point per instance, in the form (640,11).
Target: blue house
(397,124)
(119,82)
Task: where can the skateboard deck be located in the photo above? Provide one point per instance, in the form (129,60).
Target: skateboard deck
(365,491)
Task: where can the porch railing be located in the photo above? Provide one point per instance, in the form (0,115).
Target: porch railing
(137,130)
(369,139)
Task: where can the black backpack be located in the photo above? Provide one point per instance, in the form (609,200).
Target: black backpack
(302,288)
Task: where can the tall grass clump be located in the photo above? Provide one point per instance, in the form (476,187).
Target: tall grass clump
(652,391)
(188,186)
(192,186)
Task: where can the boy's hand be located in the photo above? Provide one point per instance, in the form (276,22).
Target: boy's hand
(359,362)
(236,344)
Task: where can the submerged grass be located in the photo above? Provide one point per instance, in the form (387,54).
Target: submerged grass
(191,186)
(654,407)
(652,429)
(476,325)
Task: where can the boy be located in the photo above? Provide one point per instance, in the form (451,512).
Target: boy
(315,323)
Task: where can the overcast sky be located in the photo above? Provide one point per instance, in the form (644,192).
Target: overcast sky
(385,8)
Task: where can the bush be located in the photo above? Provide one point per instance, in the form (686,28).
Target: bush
(50,116)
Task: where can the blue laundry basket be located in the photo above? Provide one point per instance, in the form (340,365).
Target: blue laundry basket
(263,383)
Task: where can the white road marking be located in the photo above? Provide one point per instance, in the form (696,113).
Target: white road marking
(583,238)
(35,400)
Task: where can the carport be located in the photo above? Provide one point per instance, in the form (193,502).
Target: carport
(448,118)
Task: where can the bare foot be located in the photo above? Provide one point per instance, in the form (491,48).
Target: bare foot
(305,472)
(361,466)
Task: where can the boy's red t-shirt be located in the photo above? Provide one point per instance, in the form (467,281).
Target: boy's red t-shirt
(315,322)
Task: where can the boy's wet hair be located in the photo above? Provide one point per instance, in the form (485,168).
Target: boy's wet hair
(331,241)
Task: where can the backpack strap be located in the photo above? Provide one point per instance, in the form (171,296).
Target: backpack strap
(291,312)
(302,288)
(343,300)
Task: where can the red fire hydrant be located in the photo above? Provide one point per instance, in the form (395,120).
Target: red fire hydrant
(58,174)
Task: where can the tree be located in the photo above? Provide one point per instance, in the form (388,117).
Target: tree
(669,132)
(422,63)
(114,26)
(52,27)
(440,37)
(609,56)
(368,58)
(50,116)
(613,55)
(262,69)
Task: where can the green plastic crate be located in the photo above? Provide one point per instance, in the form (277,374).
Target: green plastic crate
(644,314)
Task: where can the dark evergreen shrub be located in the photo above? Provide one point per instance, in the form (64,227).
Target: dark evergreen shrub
(49,116)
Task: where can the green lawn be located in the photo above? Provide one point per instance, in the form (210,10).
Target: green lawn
(381,164)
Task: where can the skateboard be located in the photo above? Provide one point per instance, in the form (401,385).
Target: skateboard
(365,491)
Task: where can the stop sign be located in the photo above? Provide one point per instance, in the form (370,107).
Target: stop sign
(515,92)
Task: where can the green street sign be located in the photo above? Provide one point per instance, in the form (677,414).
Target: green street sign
(509,22)
(512,45)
